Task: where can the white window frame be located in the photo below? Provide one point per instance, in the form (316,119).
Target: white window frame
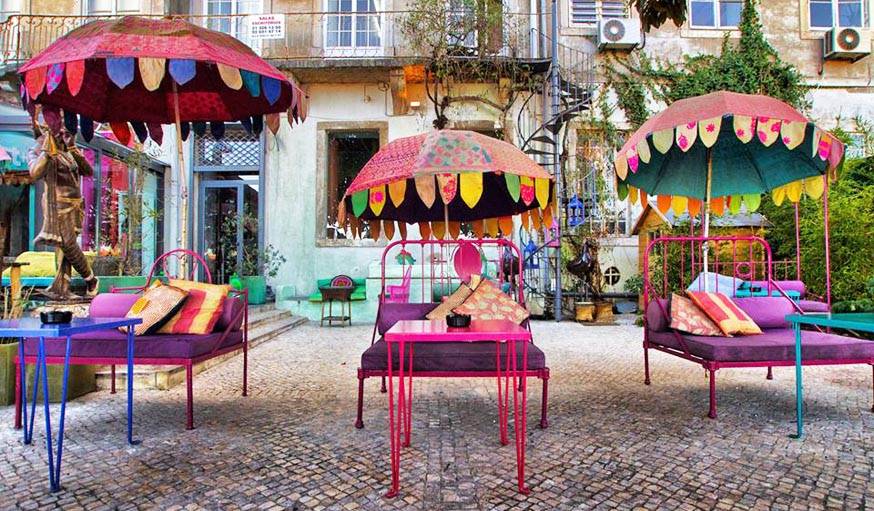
(353,50)
(4,14)
(866,15)
(86,6)
(717,22)
(600,12)
(239,30)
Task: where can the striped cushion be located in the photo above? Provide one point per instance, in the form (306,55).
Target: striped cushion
(157,305)
(730,318)
(686,317)
(201,310)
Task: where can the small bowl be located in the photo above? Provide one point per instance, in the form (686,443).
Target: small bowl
(56,317)
(458,320)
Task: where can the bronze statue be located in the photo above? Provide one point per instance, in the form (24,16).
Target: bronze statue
(56,159)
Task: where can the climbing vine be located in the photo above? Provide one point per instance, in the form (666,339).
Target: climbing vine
(748,65)
(468,42)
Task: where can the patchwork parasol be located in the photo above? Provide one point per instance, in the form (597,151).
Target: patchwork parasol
(443,178)
(149,72)
(725,149)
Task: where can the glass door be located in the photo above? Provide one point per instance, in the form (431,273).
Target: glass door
(228,234)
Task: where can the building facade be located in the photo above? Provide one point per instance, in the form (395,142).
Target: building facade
(254,196)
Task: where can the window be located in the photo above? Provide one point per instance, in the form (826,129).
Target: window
(462,20)
(348,152)
(715,13)
(229,16)
(840,13)
(124,219)
(588,12)
(352,25)
(9,8)
(113,7)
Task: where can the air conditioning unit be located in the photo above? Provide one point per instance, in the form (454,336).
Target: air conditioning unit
(846,44)
(618,33)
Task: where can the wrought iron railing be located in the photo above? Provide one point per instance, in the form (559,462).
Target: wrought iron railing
(308,35)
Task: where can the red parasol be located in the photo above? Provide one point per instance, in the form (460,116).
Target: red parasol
(149,72)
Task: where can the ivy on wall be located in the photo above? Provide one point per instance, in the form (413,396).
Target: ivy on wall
(748,65)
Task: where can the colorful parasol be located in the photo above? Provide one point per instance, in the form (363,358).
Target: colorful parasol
(446,177)
(725,149)
(728,148)
(149,72)
(154,71)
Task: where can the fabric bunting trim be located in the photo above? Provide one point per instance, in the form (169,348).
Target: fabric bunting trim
(766,132)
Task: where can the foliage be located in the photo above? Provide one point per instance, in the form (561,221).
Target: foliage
(751,65)
(634,284)
(464,42)
(254,261)
(851,230)
(861,305)
(13,309)
(654,13)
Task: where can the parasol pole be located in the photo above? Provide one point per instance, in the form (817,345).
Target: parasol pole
(797,243)
(183,179)
(707,192)
(446,221)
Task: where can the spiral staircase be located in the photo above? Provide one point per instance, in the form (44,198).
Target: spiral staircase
(543,132)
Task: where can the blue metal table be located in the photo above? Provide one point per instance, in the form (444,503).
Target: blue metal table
(32,327)
(860,322)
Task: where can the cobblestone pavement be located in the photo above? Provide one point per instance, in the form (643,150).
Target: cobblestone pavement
(612,442)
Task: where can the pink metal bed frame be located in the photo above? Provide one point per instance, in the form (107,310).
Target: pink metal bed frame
(162,263)
(690,264)
(442,274)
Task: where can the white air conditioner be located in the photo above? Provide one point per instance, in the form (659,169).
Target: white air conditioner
(846,44)
(618,33)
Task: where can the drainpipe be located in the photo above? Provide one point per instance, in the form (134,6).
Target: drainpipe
(533,25)
(554,91)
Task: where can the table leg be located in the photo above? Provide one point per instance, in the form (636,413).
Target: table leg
(799,413)
(37,370)
(519,416)
(41,363)
(408,405)
(394,428)
(56,485)
(130,386)
(502,404)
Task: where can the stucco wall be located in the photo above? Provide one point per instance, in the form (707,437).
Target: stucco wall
(293,185)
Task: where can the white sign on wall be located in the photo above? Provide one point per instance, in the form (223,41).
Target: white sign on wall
(266,26)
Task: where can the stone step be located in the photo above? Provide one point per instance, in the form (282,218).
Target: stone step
(258,318)
(166,377)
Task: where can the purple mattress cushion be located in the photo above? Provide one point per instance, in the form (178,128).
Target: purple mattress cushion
(656,320)
(449,356)
(391,313)
(775,344)
(113,344)
(232,306)
(111,305)
(813,306)
(767,311)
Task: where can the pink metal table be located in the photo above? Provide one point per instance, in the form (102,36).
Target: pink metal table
(426,331)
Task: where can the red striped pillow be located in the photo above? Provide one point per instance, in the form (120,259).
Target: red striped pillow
(730,318)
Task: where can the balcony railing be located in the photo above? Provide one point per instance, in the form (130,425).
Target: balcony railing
(308,36)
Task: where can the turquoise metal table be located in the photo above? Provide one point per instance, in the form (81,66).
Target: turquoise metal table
(859,322)
(32,328)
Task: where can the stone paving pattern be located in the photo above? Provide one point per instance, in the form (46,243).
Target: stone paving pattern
(613,443)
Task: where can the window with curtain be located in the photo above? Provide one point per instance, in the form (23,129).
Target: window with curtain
(838,13)
(588,12)
(715,13)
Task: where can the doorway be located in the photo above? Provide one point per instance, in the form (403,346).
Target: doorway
(229,236)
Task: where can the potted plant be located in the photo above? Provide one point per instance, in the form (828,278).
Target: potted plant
(255,281)
(11,309)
